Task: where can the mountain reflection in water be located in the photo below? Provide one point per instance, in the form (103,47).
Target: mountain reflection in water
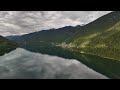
(23,64)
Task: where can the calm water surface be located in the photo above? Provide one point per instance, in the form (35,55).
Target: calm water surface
(23,64)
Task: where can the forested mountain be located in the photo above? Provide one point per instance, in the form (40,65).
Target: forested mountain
(45,37)
(6,45)
(106,44)
(100,37)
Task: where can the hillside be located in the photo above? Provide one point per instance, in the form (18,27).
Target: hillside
(6,45)
(46,37)
(95,44)
(106,44)
(100,37)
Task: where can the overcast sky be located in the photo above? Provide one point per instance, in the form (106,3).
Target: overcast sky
(22,22)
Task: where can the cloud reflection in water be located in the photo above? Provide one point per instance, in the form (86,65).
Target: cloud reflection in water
(22,64)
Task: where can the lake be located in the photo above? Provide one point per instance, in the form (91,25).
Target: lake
(23,64)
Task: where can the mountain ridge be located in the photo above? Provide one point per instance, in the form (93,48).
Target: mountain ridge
(79,38)
(95,44)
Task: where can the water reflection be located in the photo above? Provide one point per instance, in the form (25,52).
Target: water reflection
(23,64)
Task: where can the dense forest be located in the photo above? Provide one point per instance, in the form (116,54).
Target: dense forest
(98,41)
(100,37)
(105,44)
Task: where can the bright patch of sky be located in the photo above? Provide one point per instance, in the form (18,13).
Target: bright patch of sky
(22,22)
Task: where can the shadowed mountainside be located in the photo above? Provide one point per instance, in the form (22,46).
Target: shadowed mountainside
(6,45)
(98,38)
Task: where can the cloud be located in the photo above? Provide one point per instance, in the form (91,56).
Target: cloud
(21,22)
(22,64)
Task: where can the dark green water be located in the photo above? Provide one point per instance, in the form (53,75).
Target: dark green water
(23,64)
(107,67)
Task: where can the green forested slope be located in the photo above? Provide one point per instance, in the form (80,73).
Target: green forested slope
(6,45)
(106,44)
(101,24)
(100,37)
(90,44)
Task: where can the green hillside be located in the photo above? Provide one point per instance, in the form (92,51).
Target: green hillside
(46,37)
(106,44)
(96,44)
(100,37)
(101,24)
(6,45)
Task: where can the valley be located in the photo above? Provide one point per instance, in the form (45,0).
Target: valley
(95,44)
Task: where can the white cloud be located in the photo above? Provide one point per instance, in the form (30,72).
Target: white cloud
(19,22)
(24,64)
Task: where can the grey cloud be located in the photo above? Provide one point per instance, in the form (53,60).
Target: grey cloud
(24,64)
(20,22)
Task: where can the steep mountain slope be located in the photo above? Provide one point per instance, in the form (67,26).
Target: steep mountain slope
(6,45)
(95,44)
(106,44)
(99,37)
(46,37)
(101,24)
